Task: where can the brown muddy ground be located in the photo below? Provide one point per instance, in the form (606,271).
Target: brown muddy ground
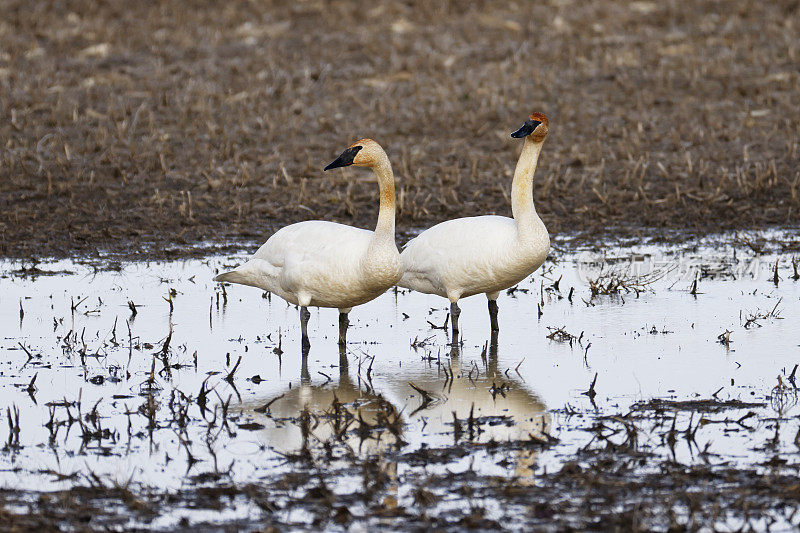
(130,125)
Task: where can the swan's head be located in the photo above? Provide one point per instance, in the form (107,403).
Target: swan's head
(536,127)
(363,153)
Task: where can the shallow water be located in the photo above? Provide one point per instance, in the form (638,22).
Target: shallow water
(87,346)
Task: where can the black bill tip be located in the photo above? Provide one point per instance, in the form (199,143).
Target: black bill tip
(345,159)
(526,129)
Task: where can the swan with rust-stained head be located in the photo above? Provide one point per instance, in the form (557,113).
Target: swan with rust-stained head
(325,264)
(484,254)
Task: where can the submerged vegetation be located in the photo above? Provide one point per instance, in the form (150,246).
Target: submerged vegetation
(127,408)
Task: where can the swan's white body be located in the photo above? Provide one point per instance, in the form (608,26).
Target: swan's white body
(483,254)
(467,256)
(324,264)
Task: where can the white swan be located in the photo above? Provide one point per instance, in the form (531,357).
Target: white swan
(484,254)
(325,264)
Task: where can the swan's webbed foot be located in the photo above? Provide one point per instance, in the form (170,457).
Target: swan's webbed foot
(344,323)
(493,315)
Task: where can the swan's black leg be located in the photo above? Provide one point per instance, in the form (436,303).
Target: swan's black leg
(492,370)
(343,363)
(493,315)
(304,316)
(305,376)
(344,322)
(454,312)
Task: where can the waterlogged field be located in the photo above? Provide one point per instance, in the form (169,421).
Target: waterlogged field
(635,386)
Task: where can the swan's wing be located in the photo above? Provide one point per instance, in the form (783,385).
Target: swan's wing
(313,250)
(457,240)
(314,240)
(461,244)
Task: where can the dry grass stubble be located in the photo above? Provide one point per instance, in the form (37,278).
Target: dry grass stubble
(131,124)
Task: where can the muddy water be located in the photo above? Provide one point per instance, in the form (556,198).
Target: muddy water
(70,325)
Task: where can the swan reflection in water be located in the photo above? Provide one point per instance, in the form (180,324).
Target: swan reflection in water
(348,411)
(450,399)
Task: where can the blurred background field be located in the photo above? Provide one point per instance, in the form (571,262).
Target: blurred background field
(130,124)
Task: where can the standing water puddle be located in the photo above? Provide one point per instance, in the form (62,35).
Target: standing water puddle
(152,375)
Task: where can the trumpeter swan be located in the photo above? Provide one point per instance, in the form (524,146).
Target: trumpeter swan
(484,254)
(325,264)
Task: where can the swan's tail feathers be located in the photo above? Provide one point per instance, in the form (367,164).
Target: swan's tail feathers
(234,276)
(405,281)
(417,282)
(254,273)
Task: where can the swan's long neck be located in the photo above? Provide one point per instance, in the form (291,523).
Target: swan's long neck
(384,230)
(381,264)
(528,221)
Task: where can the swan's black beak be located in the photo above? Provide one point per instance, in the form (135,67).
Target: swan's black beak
(526,129)
(345,159)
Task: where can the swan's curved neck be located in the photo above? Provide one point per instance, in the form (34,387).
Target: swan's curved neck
(522,208)
(385,226)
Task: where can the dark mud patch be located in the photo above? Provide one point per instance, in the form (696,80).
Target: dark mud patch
(710,405)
